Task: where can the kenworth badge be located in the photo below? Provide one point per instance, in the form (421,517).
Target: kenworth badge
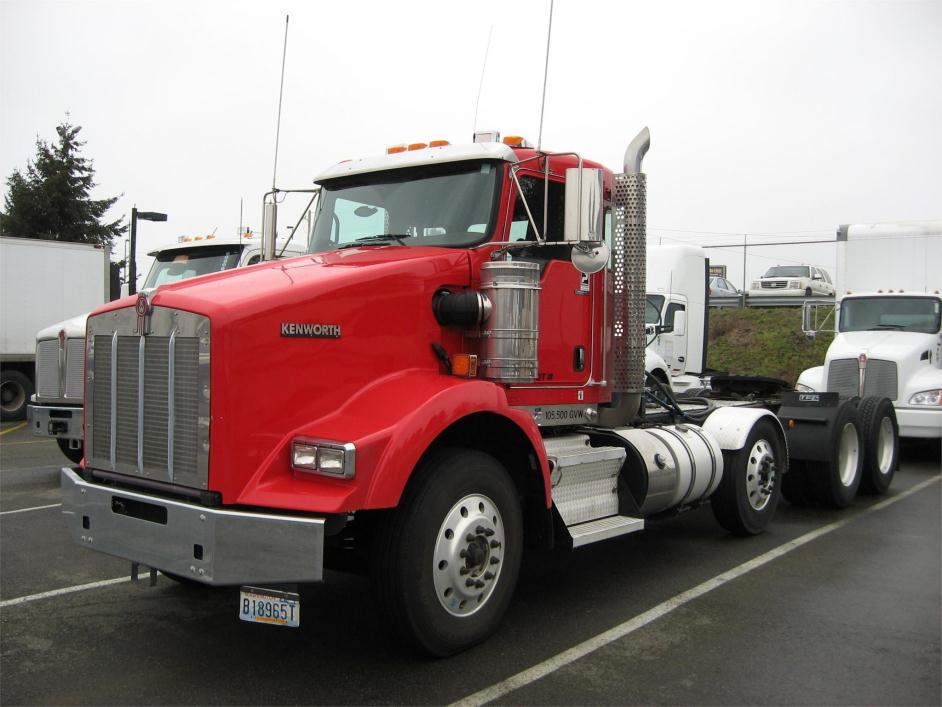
(310,331)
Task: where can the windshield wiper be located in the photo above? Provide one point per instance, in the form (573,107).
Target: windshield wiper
(886,326)
(378,239)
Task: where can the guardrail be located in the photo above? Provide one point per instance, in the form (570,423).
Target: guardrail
(741,301)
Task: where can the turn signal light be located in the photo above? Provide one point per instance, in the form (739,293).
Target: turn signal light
(464,365)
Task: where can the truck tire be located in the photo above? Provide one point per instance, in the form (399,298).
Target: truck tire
(15,391)
(751,485)
(445,565)
(74,455)
(881,443)
(834,482)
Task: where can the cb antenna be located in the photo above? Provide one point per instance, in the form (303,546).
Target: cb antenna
(281,90)
(481,82)
(549,33)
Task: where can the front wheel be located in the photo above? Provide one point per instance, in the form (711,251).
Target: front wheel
(445,566)
(751,485)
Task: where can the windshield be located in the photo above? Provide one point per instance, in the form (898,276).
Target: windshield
(920,314)
(788,271)
(172,266)
(451,205)
(652,309)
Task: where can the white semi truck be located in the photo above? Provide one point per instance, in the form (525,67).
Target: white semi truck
(888,322)
(43,281)
(56,408)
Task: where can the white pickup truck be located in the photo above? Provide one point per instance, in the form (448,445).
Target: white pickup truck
(56,408)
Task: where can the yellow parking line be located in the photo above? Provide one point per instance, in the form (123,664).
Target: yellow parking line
(13,429)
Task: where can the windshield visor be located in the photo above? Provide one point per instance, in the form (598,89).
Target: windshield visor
(452,205)
(920,314)
(171,266)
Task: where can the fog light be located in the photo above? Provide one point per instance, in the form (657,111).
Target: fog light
(314,456)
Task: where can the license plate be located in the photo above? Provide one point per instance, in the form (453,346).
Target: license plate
(267,606)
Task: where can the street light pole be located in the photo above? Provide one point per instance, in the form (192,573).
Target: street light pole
(132,246)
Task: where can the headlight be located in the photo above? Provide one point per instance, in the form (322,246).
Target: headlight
(927,397)
(314,456)
(802,388)
(794,284)
(756,285)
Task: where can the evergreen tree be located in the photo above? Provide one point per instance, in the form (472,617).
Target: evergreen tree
(52,200)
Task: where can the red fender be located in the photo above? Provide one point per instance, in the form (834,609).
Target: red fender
(392,423)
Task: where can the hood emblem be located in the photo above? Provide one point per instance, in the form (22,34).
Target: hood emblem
(142,307)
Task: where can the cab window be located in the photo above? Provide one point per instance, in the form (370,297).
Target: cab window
(533,188)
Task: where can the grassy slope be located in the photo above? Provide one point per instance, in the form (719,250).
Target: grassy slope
(765,342)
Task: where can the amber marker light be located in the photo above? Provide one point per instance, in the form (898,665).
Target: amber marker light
(464,365)
(417,146)
(514,140)
(792,424)
(395,149)
(438,143)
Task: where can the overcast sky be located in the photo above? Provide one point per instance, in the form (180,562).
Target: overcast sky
(776,119)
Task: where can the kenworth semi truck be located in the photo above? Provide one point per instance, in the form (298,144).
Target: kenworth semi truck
(55,410)
(452,374)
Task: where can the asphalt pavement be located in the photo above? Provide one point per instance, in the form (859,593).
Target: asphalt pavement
(824,608)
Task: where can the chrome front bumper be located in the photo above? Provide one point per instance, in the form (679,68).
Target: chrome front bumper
(55,421)
(208,545)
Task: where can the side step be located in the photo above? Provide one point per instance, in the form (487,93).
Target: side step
(603,529)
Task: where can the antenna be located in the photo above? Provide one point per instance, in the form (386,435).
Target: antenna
(284,54)
(481,83)
(549,33)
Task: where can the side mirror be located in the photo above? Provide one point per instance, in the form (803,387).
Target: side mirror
(269,230)
(585,218)
(680,321)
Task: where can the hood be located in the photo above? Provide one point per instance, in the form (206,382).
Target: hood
(885,344)
(74,328)
(285,284)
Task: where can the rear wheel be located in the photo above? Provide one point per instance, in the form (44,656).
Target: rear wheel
(15,391)
(881,444)
(750,488)
(834,482)
(447,562)
(74,455)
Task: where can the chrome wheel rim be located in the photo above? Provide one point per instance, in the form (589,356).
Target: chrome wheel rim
(886,445)
(760,474)
(848,454)
(469,550)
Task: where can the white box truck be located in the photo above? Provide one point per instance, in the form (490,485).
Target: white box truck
(889,322)
(42,282)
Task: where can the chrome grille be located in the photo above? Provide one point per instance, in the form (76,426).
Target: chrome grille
(75,368)
(47,368)
(774,285)
(881,378)
(148,396)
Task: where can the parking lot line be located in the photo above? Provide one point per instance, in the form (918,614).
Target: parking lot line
(64,590)
(13,429)
(591,645)
(34,508)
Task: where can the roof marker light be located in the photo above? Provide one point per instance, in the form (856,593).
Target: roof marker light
(417,146)
(438,143)
(395,149)
(516,141)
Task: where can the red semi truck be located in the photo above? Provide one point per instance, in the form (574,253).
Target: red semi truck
(452,374)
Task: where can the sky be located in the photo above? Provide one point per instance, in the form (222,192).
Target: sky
(769,120)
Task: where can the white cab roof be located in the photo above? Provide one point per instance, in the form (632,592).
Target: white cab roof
(413,158)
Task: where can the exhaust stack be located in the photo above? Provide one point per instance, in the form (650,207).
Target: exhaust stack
(629,235)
